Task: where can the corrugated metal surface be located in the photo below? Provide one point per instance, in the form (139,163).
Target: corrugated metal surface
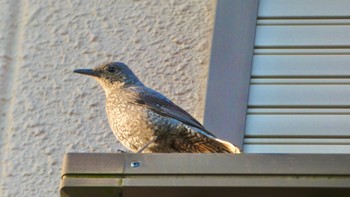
(300,88)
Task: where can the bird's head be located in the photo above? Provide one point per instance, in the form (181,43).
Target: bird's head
(114,74)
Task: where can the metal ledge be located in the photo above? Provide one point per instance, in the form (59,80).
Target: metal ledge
(108,174)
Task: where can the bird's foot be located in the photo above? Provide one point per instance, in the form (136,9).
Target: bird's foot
(147,144)
(120,151)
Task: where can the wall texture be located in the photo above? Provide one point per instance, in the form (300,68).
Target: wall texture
(47,111)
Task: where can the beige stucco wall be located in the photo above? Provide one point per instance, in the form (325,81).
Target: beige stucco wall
(47,111)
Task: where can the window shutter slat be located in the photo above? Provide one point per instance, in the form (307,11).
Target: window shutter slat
(299,98)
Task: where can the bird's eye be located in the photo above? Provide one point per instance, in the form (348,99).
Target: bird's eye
(111,69)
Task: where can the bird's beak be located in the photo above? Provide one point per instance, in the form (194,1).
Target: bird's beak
(87,72)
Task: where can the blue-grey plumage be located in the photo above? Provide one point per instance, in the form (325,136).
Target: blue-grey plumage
(145,120)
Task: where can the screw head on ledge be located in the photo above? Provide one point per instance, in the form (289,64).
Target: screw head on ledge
(135,164)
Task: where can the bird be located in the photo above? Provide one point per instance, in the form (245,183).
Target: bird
(146,121)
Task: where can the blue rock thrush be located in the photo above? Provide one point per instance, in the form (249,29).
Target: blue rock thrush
(144,120)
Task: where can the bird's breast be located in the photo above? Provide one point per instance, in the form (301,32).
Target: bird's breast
(129,122)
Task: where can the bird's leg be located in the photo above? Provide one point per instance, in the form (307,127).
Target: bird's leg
(147,144)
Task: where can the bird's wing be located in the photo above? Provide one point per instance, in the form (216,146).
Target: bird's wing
(162,105)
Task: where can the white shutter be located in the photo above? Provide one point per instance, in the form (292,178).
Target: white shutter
(299,100)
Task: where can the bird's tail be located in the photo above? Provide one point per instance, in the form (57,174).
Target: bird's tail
(214,145)
(227,146)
